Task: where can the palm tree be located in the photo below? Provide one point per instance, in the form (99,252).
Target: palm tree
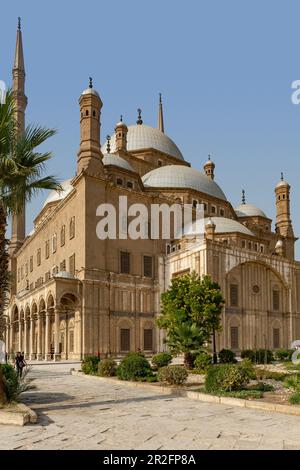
(21,168)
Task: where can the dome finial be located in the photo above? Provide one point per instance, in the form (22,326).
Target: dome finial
(108,144)
(281,177)
(209,157)
(121,118)
(90,82)
(19,23)
(243,197)
(139,119)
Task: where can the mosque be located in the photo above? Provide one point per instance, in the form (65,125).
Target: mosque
(74,295)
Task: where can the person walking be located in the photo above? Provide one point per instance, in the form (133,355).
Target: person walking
(20,363)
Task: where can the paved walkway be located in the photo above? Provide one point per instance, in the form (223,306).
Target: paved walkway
(79,413)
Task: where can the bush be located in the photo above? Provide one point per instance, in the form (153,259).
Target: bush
(133,367)
(263,356)
(283,355)
(203,361)
(107,367)
(248,367)
(248,354)
(294,399)
(262,387)
(172,375)
(14,385)
(259,356)
(262,374)
(90,365)
(226,356)
(292,382)
(161,360)
(226,378)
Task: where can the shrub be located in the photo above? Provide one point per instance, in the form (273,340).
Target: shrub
(262,387)
(292,382)
(294,399)
(283,355)
(172,375)
(226,356)
(14,385)
(107,367)
(161,360)
(203,361)
(260,356)
(248,367)
(248,354)
(133,367)
(262,374)
(226,378)
(90,364)
(263,356)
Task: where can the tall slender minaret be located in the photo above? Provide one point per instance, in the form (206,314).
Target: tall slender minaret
(160,124)
(18,74)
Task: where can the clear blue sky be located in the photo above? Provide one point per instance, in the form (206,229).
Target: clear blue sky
(224,68)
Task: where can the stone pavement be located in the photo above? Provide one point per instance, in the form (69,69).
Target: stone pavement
(80,413)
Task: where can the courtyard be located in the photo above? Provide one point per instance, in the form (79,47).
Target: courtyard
(78,413)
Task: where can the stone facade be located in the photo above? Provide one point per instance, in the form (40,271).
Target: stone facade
(75,295)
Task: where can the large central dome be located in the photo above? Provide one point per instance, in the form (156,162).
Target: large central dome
(180,176)
(141,136)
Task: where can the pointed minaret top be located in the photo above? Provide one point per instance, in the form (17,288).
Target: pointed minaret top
(160,124)
(19,56)
(243,197)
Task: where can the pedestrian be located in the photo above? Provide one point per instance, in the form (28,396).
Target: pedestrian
(20,363)
(6,357)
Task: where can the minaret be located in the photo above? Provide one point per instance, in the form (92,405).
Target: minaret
(283,220)
(160,124)
(89,154)
(209,168)
(121,136)
(18,73)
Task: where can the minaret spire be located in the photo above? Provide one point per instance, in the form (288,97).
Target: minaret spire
(160,125)
(20,102)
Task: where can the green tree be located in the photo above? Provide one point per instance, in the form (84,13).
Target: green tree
(190,313)
(21,169)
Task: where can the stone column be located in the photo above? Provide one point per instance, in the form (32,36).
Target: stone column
(47,337)
(39,340)
(26,339)
(32,353)
(20,335)
(11,337)
(57,355)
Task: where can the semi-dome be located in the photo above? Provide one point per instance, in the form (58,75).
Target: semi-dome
(58,195)
(249,210)
(116,160)
(180,176)
(141,136)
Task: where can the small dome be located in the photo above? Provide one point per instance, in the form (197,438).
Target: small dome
(180,176)
(58,195)
(279,244)
(282,183)
(249,210)
(141,137)
(116,160)
(90,91)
